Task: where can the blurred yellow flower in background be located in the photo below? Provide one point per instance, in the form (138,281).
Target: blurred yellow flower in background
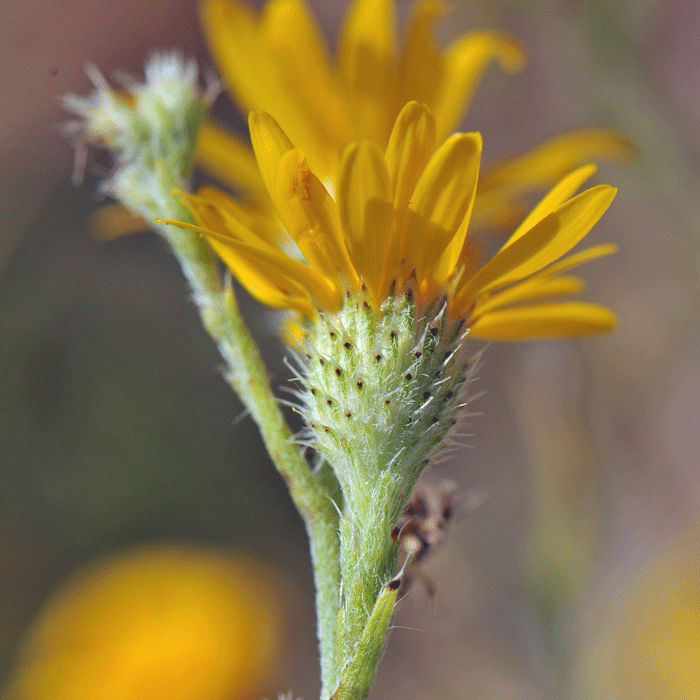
(279,62)
(649,648)
(155,623)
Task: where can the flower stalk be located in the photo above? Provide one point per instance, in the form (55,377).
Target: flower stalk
(152,133)
(246,374)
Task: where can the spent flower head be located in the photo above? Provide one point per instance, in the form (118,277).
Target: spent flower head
(150,127)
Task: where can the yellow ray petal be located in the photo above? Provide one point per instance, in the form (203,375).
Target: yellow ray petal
(214,211)
(574,220)
(530,289)
(277,290)
(255,73)
(293,38)
(553,199)
(508,258)
(464,62)
(281,267)
(500,197)
(312,217)
(451,257)
(597,251)
(442,201)
(366,53)
(291,31)
(411,144)
(420,65)
(256,267)
(262,221)
(366,210)
(282,293)
(270,143)
(229,159)
(226,237)
(284,269)
(553,159)
(566,319)
(235,42)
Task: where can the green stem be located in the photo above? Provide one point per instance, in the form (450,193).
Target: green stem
(246,374)
(368,560)
(357,673)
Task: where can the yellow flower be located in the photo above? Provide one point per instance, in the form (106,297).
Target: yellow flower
(165,622)
(649,645)
(399,220)
(278,63)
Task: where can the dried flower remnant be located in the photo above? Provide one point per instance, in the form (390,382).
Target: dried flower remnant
(150,128)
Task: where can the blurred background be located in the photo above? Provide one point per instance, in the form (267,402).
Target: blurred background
(580,575)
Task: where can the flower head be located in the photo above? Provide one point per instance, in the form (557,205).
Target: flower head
(400,220)
(278,62)
(645,644)
(382,271)
(163,622)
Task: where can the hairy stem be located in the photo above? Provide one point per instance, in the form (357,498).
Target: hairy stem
(246,374)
